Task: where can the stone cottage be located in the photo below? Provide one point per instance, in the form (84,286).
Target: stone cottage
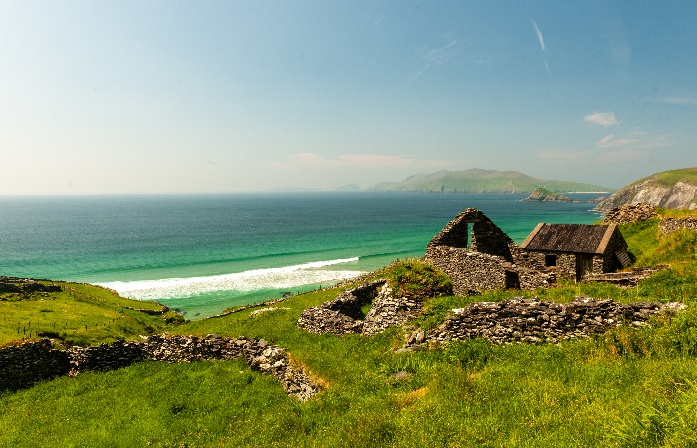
(575,250)
(478,256)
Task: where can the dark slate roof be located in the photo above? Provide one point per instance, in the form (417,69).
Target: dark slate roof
(570,238)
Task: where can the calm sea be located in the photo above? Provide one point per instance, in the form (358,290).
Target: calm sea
(204,253)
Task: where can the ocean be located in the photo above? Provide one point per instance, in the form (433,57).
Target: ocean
(203,253)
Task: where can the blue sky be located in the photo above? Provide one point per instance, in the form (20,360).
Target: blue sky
(202,96)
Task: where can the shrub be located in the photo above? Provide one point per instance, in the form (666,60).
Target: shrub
(416,277)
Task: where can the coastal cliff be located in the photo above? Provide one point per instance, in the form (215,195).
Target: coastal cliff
(676,189)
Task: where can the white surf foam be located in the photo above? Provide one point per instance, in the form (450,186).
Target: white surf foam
(247,281)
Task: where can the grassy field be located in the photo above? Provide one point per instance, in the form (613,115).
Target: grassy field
(80,314)
(634,386)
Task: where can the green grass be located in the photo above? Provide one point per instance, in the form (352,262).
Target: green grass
(669,178)
(633,386)
(80,314)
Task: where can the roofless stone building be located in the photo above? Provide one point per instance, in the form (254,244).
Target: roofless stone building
(478,256)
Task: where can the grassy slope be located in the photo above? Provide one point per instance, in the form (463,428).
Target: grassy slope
(669,178)
(478,181)
(631,387)
(80,314)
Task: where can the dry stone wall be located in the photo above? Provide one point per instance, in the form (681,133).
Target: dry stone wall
(25,364)
(671,225)
(521,319)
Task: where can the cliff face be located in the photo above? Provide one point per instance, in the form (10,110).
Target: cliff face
(671,189)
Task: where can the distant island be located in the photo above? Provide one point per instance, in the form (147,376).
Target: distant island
(484,181)
(544,195)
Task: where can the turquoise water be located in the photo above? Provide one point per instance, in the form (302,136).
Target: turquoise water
(203,253)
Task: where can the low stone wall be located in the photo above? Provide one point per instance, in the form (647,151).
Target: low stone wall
(343,314)
(671,225)
(521,319)
(23,365)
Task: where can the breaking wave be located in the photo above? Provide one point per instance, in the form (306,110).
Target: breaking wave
(242,282)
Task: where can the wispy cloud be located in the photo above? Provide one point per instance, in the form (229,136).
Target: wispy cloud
(542,45)
(539,35)
(604,119)
(681,100)
(632,146)
(610,141)
(437,56)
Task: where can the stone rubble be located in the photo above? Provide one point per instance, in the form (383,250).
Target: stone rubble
(343,314)
(630,213)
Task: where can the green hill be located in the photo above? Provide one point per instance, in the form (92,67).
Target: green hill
(482,181)
(675,189)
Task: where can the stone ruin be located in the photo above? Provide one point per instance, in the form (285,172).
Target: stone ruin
(522,319)
(478,256)
(474,253)
(343,315)
(25,364)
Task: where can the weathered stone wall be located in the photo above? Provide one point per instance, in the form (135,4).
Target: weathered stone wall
(469,271)
(670,225)
(522,319)
(25,364)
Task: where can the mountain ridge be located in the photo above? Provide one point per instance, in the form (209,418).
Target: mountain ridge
(478,180)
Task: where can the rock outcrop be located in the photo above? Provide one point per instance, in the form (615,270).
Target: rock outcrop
(661,190)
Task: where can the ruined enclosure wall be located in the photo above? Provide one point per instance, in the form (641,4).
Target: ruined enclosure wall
(469,271)
(520,319)
(18,365)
